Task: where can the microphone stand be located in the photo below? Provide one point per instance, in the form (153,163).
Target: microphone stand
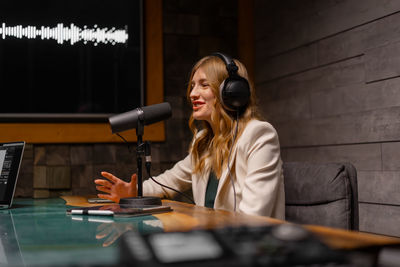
(139,154)
(140,200)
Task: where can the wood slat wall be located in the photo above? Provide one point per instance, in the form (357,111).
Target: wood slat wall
(328,75)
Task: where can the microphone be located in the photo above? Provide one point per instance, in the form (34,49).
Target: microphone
(147,115)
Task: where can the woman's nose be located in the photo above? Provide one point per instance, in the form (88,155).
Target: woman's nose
(194,94)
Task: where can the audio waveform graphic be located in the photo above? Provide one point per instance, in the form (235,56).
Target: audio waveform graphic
(67,34)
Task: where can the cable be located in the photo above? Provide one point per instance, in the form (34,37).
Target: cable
(170,188)
(147,152)
(148,166)
(129,147)
(229,157)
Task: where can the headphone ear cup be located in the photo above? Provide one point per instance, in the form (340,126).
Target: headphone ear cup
(235,93)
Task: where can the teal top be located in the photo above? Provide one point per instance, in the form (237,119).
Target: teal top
(211,190)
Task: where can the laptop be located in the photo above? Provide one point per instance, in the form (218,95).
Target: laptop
(10,162)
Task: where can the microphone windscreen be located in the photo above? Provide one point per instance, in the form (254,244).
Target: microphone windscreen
(124,121)
(156,113)
(147,115)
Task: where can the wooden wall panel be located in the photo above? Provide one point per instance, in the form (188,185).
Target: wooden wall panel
(383,31)
(382,62)
(379,187)
(327,51)
(380,125)
(365,157)
(290,63)
(342,46)
(355,98)
(391,156)
(326,103)
(287,109)
(352,42)
(383,219)
(309,21)
(342,100)
(327,75)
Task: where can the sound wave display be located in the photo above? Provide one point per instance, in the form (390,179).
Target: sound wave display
(67,34)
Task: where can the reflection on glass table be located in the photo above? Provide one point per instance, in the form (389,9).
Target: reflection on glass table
(10,253)
(40,233)
(110,231)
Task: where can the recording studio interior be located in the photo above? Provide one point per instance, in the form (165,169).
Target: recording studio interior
(118,91)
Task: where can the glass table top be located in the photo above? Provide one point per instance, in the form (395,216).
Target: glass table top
(39,232)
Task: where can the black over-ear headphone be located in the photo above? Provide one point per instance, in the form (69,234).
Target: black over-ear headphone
(234,90)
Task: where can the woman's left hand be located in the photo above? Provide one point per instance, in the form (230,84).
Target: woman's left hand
(115,187)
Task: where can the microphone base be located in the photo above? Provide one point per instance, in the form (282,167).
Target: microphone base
(140,201)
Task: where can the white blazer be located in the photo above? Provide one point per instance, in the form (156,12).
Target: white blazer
(258,177)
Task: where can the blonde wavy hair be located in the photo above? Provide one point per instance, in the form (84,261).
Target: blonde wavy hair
(215,146)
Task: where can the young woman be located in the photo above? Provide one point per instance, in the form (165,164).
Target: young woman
(234,158)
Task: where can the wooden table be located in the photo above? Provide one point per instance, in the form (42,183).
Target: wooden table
(185,217)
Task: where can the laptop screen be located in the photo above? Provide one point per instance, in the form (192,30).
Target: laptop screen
(10,161)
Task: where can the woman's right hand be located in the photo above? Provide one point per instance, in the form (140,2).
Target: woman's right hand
(115,187)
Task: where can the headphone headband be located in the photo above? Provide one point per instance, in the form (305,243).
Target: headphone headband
(229,63)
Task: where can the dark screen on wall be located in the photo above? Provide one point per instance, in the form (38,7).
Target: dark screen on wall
(70,56)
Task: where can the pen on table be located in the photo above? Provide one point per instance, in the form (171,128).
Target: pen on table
(92,212)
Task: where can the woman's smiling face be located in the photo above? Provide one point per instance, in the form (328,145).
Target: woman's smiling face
(202,96)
